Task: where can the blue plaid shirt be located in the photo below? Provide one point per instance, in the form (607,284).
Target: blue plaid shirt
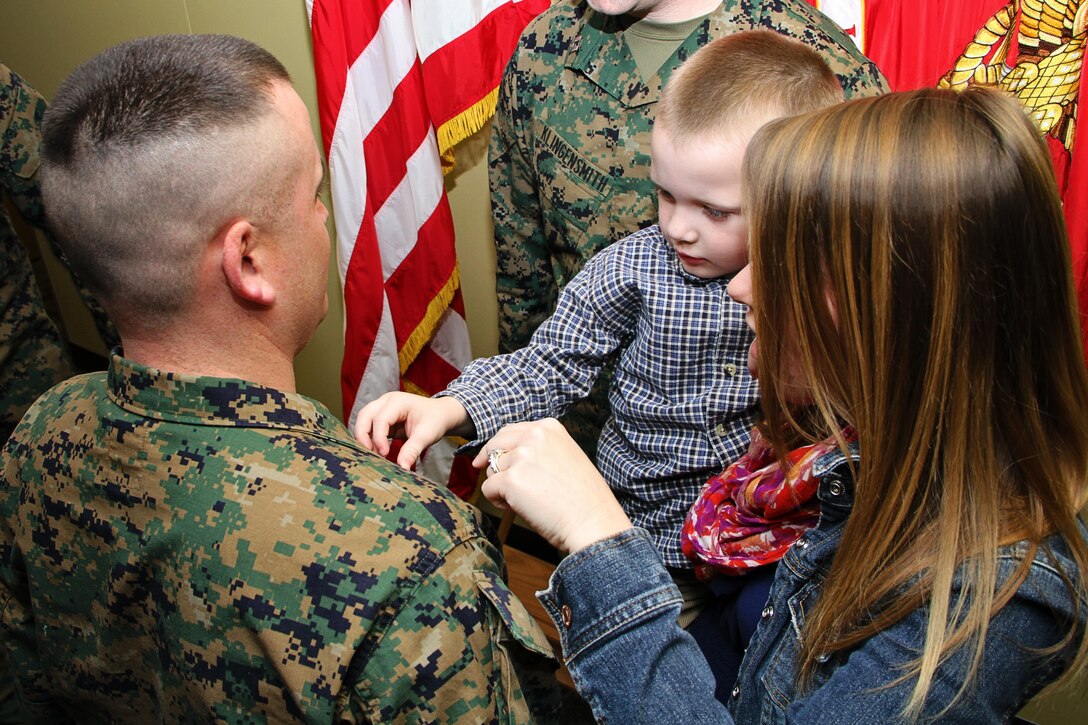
(682,399)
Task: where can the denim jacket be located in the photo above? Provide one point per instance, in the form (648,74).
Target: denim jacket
(615,607)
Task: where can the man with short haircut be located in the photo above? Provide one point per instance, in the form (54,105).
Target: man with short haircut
(569,156)
(185,537)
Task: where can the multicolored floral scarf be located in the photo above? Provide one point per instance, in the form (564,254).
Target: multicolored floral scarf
(753,512)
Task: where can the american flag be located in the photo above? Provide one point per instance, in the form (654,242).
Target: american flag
(389,74)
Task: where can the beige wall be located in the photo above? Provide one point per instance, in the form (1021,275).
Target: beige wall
(44,40)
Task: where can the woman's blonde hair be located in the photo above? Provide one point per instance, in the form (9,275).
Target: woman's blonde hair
(910,258)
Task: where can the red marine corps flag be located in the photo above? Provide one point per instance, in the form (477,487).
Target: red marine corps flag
(398,84)
(1034,49)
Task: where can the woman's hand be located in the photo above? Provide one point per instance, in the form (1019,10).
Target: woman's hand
(546,479)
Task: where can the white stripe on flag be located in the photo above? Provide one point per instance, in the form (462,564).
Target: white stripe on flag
(437,22)
(848,15)
(347,174)
(409,206)
(451,342)
(384,62)
(437,462)
(374,76)
(382,372)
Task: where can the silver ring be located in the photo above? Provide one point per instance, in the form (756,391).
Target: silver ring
(493,459)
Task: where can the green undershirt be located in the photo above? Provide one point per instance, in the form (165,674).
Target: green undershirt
(652,43)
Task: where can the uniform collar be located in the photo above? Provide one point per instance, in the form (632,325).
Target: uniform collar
(200,400)
(601,53)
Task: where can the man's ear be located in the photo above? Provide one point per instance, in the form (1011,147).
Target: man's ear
(244,264)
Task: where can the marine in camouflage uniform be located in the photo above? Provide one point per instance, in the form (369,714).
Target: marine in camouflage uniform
(569,157)
(178,544)
(193,548)
(33,357)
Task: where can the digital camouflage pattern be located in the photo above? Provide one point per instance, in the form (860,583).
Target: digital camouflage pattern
(188,549)
(32,355)
(569,157)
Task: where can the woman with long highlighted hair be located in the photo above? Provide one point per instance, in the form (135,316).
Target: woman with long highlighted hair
(909,284)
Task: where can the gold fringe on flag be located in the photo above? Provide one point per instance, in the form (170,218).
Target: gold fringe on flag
(437,307)
(463,125)
(410,387)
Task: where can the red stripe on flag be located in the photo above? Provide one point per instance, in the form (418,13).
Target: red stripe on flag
(463,477)
(474,61)
(363,305)
(340,32)
(458,303)
(423,273)
(1075,205)
(430,373)
(395,138)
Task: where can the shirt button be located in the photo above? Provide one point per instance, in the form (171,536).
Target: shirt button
(736,692)
(564,612)
(721,430)
(768,612)
(836,488)
(730,369)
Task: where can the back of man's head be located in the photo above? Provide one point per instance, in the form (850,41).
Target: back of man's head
(755,74)
(148,148)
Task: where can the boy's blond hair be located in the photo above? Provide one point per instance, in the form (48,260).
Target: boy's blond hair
(752,74)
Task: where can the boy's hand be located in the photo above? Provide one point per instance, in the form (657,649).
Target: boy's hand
(420,421)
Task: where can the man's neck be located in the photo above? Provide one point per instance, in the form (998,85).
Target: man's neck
(677,11)
(260,362)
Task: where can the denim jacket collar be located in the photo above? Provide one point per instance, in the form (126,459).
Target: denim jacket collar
(836,489)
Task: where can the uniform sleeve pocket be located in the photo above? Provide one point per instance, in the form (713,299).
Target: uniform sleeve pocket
(524,659)
(519,623)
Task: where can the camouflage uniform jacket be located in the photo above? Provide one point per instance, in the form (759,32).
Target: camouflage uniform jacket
(32,355)
(569,157)
(191,549)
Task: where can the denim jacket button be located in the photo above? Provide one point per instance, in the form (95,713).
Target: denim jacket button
(836,488)
(564,612)
(802,544)
(768,612)
(822,658)
(736,692)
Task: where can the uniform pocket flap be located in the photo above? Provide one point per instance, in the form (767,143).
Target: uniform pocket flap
(517,618)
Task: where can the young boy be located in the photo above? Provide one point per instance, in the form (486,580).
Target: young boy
(682,398)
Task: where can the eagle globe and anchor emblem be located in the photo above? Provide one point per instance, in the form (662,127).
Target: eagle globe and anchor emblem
(1046,69)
